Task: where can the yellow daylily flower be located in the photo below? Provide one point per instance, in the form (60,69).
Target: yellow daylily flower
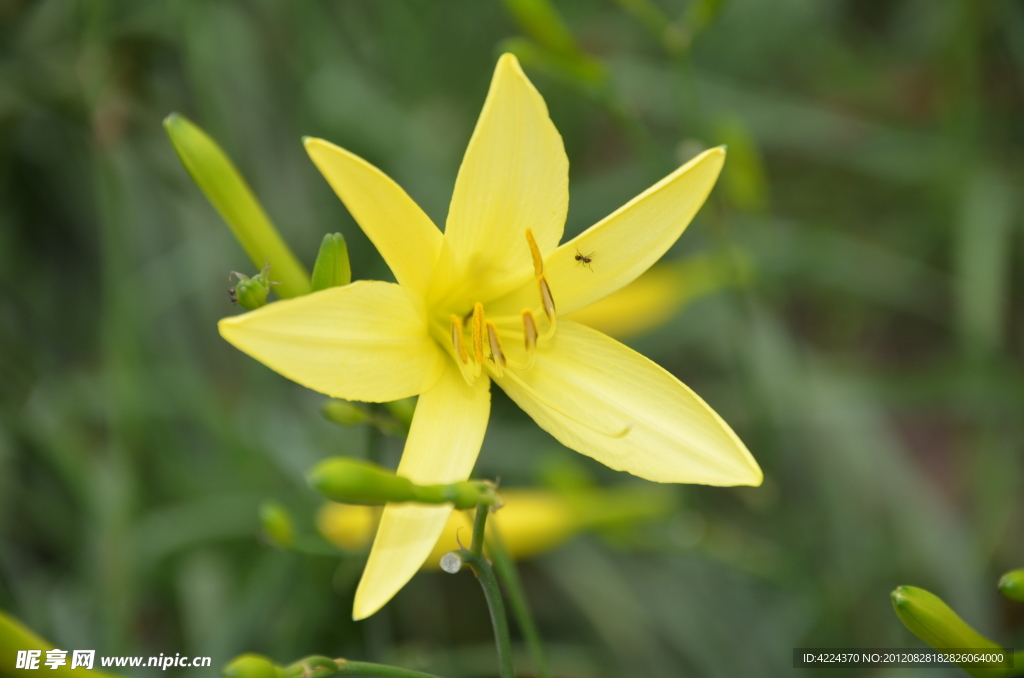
(481,303)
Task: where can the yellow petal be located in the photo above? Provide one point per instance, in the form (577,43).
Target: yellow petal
(444,441)
(515,176)
(401,231)
(625,243)
(673,436)
(365,341)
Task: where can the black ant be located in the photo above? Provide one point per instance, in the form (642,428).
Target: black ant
(585,259)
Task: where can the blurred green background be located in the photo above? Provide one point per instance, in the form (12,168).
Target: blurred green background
(872,362)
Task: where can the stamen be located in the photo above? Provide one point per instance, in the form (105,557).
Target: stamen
(497,355)
(546,298)
(529,330)
(610,433)
(478,333)
(460,347)
(538,262)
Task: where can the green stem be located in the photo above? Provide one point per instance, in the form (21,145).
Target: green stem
(479,529)
(509,576)
(489,583)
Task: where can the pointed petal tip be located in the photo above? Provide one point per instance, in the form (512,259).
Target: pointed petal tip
(309,142)
(756,478)
(508,59)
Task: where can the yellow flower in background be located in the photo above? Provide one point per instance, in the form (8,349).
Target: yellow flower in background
(657,295)
(481,303)
(530,521)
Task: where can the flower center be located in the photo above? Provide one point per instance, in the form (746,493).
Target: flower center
(476,345)
(478,332)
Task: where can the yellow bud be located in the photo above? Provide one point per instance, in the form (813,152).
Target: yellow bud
(346,526)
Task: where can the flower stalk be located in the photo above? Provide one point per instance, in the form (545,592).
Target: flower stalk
(509,576)
(474,557)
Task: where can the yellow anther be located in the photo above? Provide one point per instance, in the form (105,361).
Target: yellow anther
(529,330)
(478,333)
(497,355)
(547,299)
(460,347)
(538,262)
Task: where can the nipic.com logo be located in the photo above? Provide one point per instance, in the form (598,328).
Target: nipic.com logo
(85,659)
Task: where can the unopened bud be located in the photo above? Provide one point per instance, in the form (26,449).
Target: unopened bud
(451,562)
(332,268)
(251,666)
(277,524)
(251,293)
(931,620)
(344,412)
(1012,585)
(353,481)
(229,193)
(402,410)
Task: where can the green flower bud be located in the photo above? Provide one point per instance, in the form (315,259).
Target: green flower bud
(353,481)
(251,666)
(251,293)
(332,268)
(931,620)
(277,524)
(344,412)
(402,410)
(223,185)
(1012,585)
